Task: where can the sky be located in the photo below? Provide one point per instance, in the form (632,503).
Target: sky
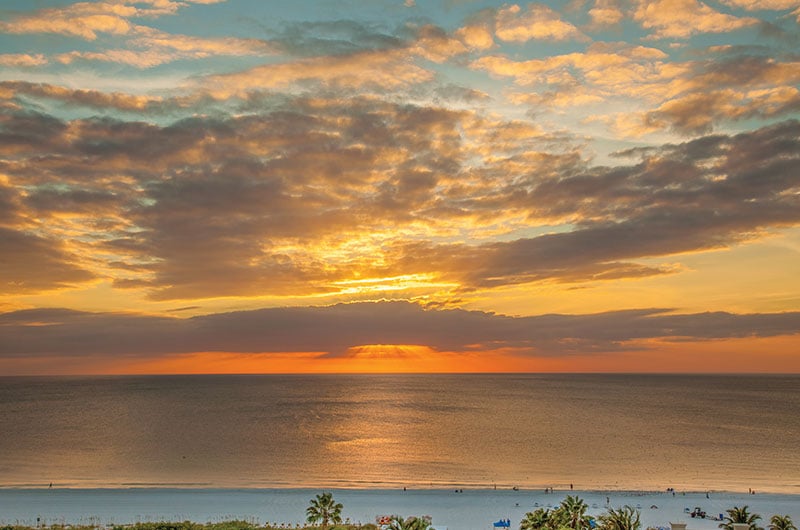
(246,186)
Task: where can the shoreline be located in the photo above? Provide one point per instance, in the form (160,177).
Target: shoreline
(403,487)
(471,509)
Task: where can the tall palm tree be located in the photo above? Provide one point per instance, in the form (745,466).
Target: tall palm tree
(323,509)
(626,518)
(781,522)
(572,514)
(740,515)
(538,519)
(409,523)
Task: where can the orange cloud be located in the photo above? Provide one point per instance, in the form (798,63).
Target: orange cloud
(757,5)
(83,19)
(389,70)
(22,59)
(476,37)
(743,355)
(538,23)
(156,48)
(605,13)
(87,19)
(668,18)
(90,98)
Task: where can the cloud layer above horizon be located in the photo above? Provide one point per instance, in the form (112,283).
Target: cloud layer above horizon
(466,159)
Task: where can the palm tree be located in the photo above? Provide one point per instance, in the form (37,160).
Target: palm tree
(742,516)
(572,514)
(536,520)
(781,522)
(409,523)
(626,518)
(325,510)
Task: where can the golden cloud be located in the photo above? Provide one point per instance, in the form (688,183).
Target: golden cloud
(22,59)
(680,19)
(605,13)
(538,23)
(392,69)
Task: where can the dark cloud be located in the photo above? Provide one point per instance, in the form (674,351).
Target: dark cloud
(335,37)
(676,200)
(107,102)
(458,93)
(32,263)
(72,201)
(335,329)
(735,84)
(268,203)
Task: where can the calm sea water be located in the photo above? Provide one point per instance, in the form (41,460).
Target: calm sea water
(368,431)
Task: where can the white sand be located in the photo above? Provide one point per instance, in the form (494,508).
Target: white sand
(470,510)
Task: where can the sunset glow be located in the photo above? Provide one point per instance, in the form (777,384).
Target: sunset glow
(212,186)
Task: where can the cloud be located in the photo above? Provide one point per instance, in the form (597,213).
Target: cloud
(339,328)
(697,113)
(757,5)
(604,71)
(384,70)
(679,199)
(145,47)
(690,97)
(538,23)
(151,48)
(87,19)
(22,59)
(31,263)
(83,19)
(605,13)
(81,97)
(668,18)
(335,37)
(476,36)
(727,89)
(316,192)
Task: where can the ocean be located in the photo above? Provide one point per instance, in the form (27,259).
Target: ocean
(593,432)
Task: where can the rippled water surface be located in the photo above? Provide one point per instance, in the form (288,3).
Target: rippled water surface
(596,431)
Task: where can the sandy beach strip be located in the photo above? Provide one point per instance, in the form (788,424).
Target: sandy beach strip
(467,509)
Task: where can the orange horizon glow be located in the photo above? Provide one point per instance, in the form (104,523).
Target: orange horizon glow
(738,356)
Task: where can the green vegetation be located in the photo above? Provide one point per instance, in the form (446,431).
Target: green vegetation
(323,509)
(571,514)
(741,516)
(409,523)
(625,518)
(781,522)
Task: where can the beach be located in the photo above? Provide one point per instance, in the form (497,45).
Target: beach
(467,509)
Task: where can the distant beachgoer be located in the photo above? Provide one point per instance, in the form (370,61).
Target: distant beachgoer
(51,485)
(570,485)
(608,501)
(706,495)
